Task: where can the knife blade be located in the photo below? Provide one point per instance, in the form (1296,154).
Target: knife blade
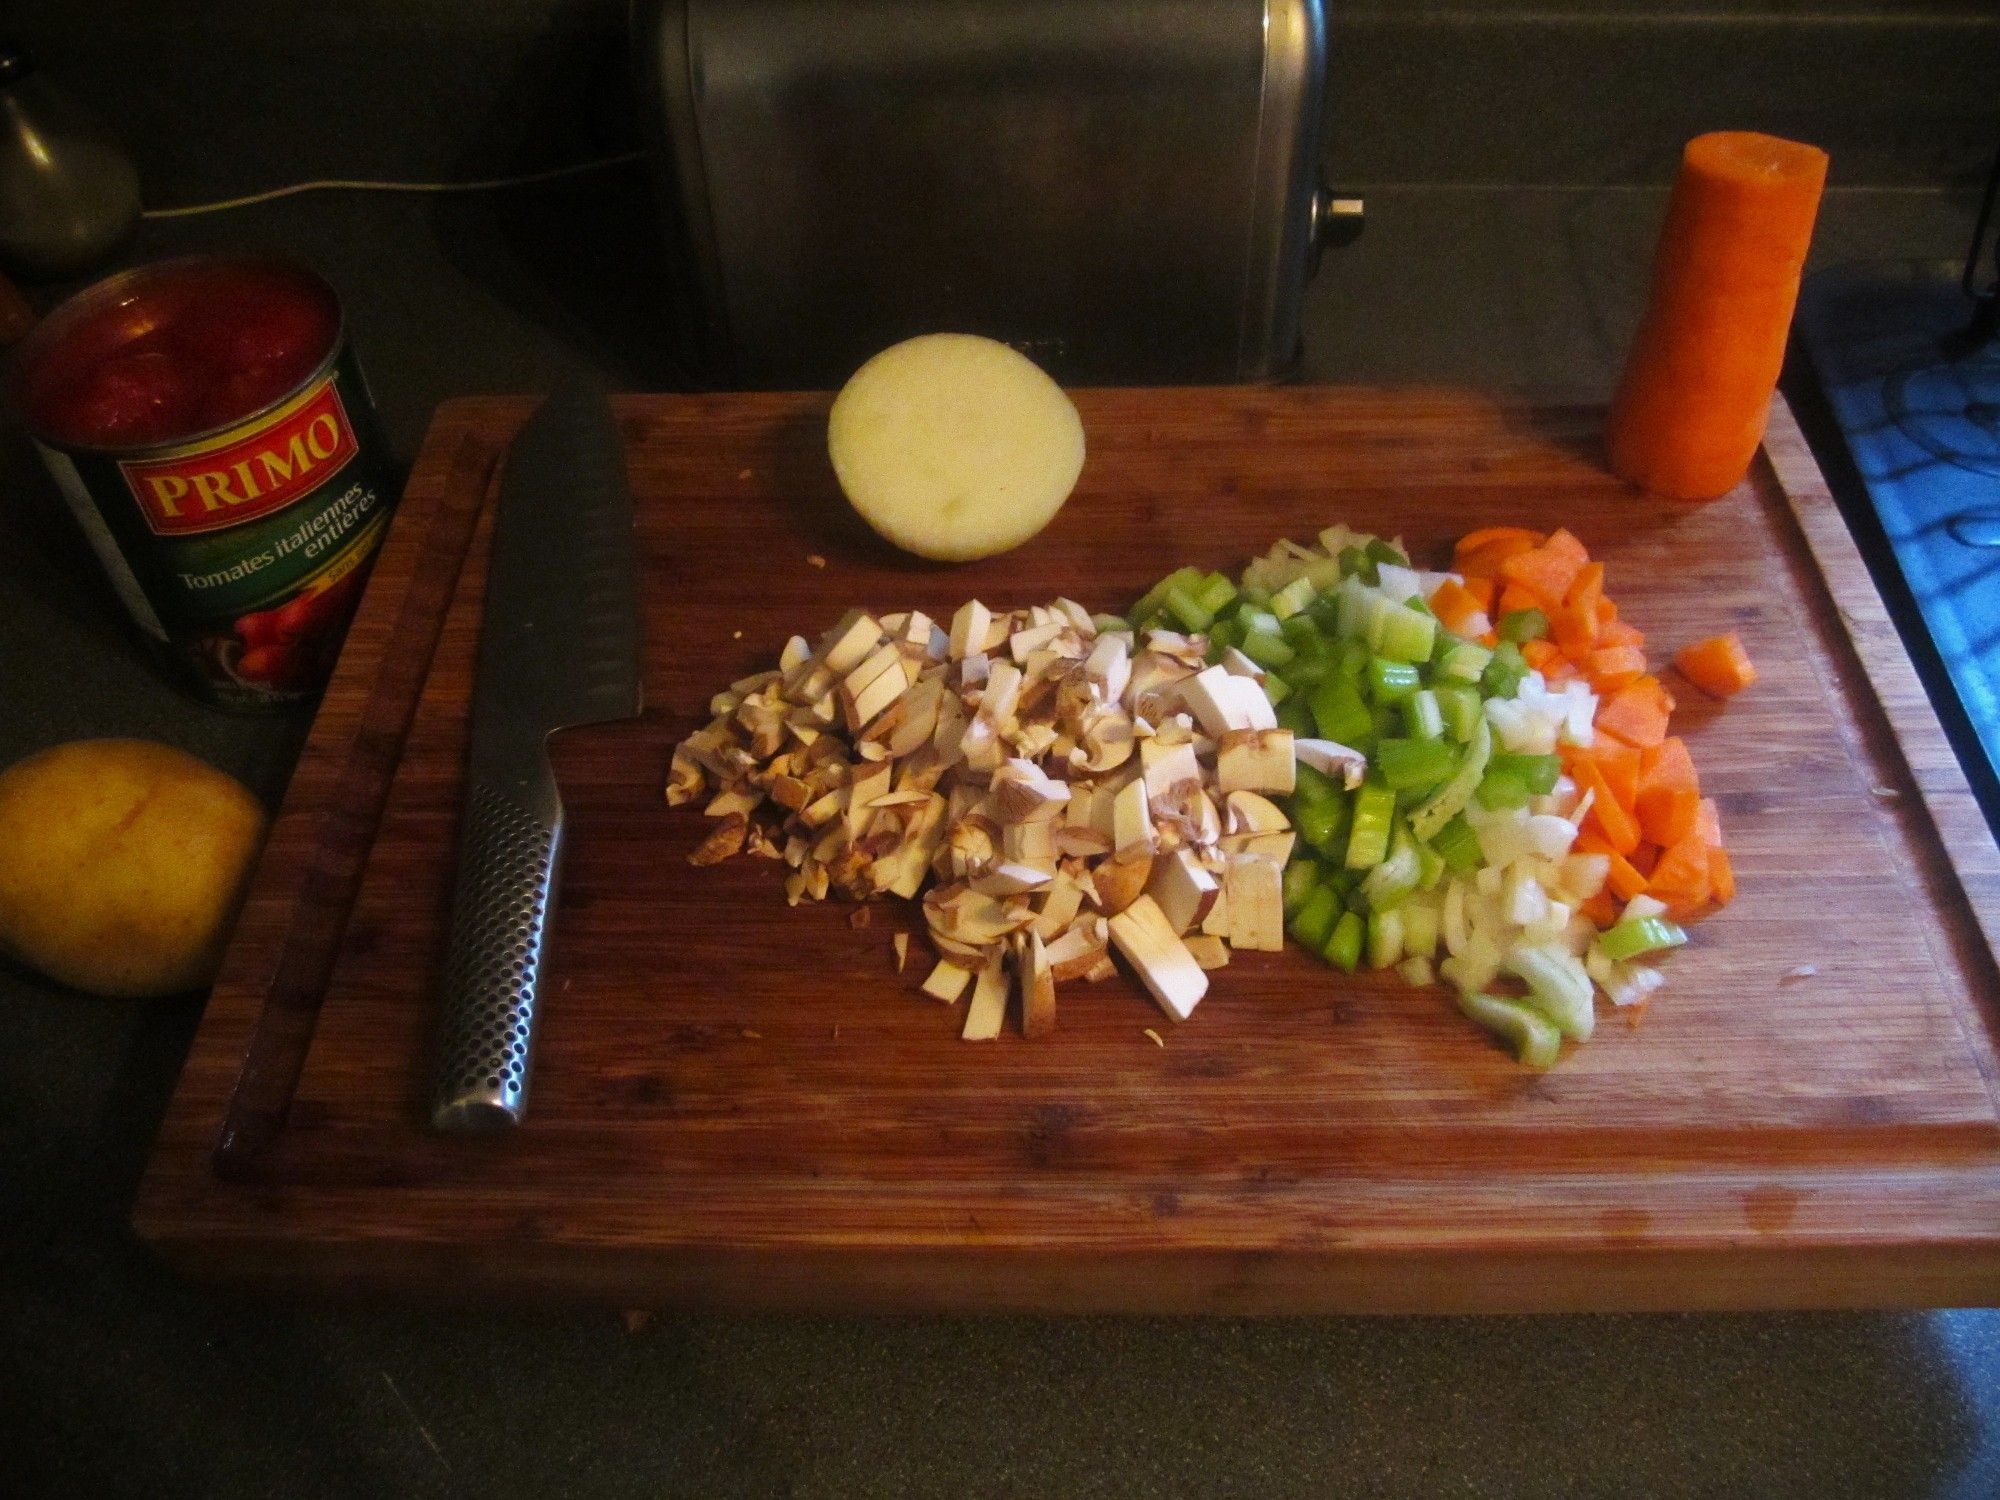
(558,648)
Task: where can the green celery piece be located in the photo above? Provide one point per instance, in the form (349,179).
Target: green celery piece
(1535,1041)
(1339,713)
(1343,948)
(1107,623)
(1391,883)
(1465,662)
(1315,921)
(1304,631)
(1501,791)
(1381,552)
(1276,688)
(1391,681)
(1407,763)
(1402,634)
(1316,786)
(1536,772)
(1252,595)
(1301,880)
(1385,939)
(1459,705)
(1342,881)
(1505,672)
(1639,935)
(1320,825)
(1374,817)
(1449,800)
(1558,987)
(1420,929)
(1293,598)
(1266,648)
(1154,600)
(1424,714)
(1295,716)
(1185,607)
(1520,625)
(1457,845)
(1352,661)
(1356,563)
(1216,593)
(1304,671)
(1432,866)
(1359,605)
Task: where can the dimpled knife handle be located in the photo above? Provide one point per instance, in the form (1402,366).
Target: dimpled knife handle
(499,946)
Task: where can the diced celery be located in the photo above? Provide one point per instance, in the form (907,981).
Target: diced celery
(1402,634)
(1359,605)
(1538,773)
(1108,623)
(1420,929)
(1559,987)
(1391,681)
(1216,593)
(1502,791)
(1431,867)
(1304,671)
(1254,596)
(1221,636)
(1458,703)
(1374,816)
(1266,648)
(1383,552)
(1155,599)
(1535,1041)
(1314,922)
(1457,845)
(1304,632)
(1293,597)
(1385,938)
(1504,673)
(1188,609)
(1449,800)
(1343,948)
(1339,713)
(1408,763)
(1465,662)
(1301,880)
(1638,935)
(1276,689)
(1316,786)
(1295,716)
(1390,883)
(1356,563)
(1424,714)
(1321,825)
(1519,625)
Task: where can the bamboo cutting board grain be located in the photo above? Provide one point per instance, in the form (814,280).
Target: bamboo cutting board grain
(742,1104)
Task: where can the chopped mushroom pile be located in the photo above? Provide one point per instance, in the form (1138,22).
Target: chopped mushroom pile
(1071,790)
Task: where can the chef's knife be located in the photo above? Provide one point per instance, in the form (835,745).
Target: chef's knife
(558,647)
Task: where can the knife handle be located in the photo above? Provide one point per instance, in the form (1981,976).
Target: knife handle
(511,852)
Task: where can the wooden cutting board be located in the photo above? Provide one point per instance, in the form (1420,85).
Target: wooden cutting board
(742,1104)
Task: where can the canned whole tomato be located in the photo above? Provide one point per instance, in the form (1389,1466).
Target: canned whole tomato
(208,424)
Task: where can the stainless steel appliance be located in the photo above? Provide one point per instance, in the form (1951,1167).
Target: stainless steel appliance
(1125,190)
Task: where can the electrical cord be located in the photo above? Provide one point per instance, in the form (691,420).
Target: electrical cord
(358,185)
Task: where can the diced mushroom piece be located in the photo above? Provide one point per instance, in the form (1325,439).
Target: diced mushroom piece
(1078,617)
(1079,950)
(1236,664)
(1132,835)
(1024,643)
(1038,985)
(1331,758)
(1003,691)
(723,841)
(1216,923)
(1255,760)
(1116,883)
(988,1011)
(685,778)
(1024,793)
(968,629)
(1256,903)
(1108,668)
(1222,702)
(1061,901)
(947,981)
(1007,879)
(1250,812)
(1182,890)
(1154,950)
(1271,846)
(1209,952)
(849,643)
(900,942)
(1031,844)
(1168,766)
(795,654)
(1102,970)
(734,800)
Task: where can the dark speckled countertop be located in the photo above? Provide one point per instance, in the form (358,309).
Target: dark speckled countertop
(117,1379)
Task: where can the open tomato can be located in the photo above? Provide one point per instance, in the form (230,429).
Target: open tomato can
(207,422)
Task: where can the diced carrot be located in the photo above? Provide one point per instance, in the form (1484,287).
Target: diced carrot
(1513,597)
(1541,655)
(1613,667)
(1454,605)
(1708,823)
(1625,880)
(1587,592)
(1473,541)
(1667,766)
(1637,713)
(1486,560)
(1548,571)
(1606,611)
(1600,910)
(1669,814)
(1618,633)
(1574,631)
(1619,828)
(1719,666)
(1482,591)
(1681,876)
(1644,858)
(1590,841)
(1721,876)
(1620,765)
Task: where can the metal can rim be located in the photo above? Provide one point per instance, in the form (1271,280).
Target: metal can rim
(49,331)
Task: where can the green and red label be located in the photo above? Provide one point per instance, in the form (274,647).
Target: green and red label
(238,479)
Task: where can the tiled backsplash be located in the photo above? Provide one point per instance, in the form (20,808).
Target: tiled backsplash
(227,95)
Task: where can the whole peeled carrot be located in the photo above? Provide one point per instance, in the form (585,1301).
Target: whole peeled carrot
(1690,410)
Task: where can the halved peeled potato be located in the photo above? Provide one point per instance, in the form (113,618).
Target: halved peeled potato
(954,446)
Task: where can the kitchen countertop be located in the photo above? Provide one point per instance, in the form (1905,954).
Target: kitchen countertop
(119,1378)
